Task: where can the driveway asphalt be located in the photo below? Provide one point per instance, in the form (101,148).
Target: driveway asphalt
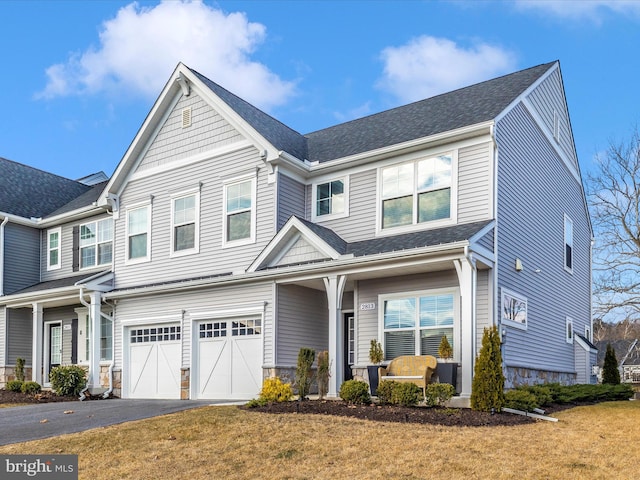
(33,422)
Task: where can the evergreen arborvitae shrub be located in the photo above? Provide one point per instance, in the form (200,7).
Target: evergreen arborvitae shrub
(610,372)
(31,388)
(487,389)
(323,373)
(20,369)
(304,372)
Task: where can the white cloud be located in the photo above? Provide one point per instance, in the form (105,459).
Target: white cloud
(591,10)
(427,66)
(140,47)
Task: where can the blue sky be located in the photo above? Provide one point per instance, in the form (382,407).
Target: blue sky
(80,77)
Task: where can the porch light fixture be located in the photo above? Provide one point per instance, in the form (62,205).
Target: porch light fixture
(518,265)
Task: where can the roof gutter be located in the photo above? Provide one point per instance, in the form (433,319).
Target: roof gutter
(4,222)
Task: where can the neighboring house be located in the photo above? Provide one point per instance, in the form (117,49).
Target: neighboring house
(628,357)
(225,241)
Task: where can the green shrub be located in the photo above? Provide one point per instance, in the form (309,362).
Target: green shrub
(323,373)
(20,369)
(445,350)
(31,388)
(406,394)
(610,372)
(438,393)
(385,391)
(521,400)
(541,392)
(376,355)
(67,380)
(355,391)
(304,372)
(273,391)
(256,402)
(14,385)
(564,394)
(487,389)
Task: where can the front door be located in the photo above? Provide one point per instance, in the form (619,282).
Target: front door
(55,346)
(349,345)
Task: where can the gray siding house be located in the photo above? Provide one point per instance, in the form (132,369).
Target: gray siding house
(225,241)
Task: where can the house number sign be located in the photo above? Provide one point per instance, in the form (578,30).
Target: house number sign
(368,306)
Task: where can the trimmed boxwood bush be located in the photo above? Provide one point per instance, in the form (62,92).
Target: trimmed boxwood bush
(385,391)
(14,385)
(67,380)
(31,388)
(355,391)
(521,400)
(406,394)
(438,393)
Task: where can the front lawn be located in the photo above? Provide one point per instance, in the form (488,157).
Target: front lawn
(598,441)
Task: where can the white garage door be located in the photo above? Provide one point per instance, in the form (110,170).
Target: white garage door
(154,362)
(229,359)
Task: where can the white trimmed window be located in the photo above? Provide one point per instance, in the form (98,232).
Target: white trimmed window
(514,309)
(415,324)
(568,244)
(96,243)
(417,192)
(587,333)
(139,233)
(54,236)
(330,199)
(239,212)
(185,221)
(569,330)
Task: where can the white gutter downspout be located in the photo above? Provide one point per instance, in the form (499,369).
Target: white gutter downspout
(4,222)
(111,364)
(474,326)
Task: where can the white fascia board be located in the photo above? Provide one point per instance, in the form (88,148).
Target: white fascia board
(584,345)
(29,222)
(71,216)
(69,294)
(432,254)
(94,282)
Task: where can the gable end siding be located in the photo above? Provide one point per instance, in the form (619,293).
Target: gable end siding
(535,191)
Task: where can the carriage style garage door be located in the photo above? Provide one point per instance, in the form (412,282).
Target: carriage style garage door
(154,362)
(228,359)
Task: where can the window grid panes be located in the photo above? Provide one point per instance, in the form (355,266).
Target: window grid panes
(241,328)
(106,339)
(155,334)
(138,228)
(238,210)
(96,243)
(184,223)
(416,325)
(417,192)
(330,198)
(54,249)
(213,330)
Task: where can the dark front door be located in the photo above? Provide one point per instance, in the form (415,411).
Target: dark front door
(349,345)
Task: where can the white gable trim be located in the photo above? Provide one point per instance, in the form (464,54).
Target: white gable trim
(583,344)
(285,239)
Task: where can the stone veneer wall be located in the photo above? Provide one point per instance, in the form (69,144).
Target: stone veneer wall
(517,376)
(287,375)
(185,374)
(9,373)
(117,382)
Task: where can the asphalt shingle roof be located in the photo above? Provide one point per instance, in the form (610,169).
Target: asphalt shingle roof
(83,200)
(53,284)
(28,192)
(460,108)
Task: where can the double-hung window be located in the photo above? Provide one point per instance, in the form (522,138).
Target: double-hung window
(415,324)
(139,233)
(568,244)
(239,211)
(417,192)
(514,309)
(330,198)
(53,248)
(185,223)
(96,243)
(568,328)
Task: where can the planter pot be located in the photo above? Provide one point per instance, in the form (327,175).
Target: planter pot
(372,370)
(448,373)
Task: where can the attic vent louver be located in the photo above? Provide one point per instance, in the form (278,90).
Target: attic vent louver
(186,117)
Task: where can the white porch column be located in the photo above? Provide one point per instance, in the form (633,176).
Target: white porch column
(466,269)
(37,344)
(334,286)
(94,358)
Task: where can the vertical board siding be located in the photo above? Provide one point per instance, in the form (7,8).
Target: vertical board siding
(291,198)
(66,252)
(483,300)
(368,291)
(474,183)
(535,191)
(212,259)
(302,322)
(21,257)
(20,333)
(208,130)
(547,98)
(183,305)
(3,336)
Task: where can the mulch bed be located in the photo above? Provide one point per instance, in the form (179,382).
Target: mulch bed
(462,417)
(7,397)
